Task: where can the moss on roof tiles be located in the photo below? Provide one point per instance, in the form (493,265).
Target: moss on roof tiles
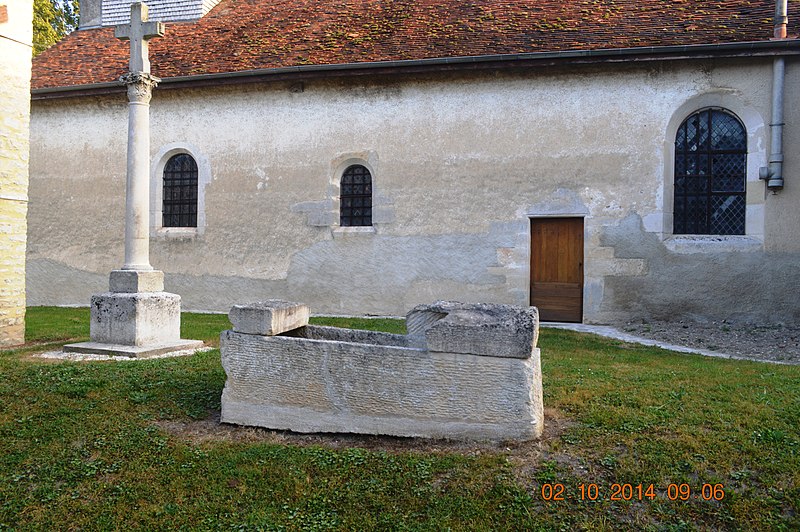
(258,34)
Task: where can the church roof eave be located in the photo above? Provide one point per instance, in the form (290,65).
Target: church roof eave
(482,62)
(268,37)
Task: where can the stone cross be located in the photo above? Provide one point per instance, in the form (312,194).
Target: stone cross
(139,31)
(136,317)
(140,87)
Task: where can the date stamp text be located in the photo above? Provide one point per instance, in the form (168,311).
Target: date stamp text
(631,492)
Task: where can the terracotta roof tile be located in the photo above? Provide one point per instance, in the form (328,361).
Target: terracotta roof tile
(240,35)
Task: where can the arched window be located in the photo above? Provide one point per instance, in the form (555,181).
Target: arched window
(180,192)
(710,174)
(356,197)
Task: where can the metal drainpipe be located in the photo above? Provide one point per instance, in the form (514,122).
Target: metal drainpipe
(775,182)
(773,173)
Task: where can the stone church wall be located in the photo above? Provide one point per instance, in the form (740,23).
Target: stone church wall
(15,77)
(460,164)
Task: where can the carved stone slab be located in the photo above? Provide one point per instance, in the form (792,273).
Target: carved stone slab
(270,317)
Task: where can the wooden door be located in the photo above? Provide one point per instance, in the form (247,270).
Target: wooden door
(557,268)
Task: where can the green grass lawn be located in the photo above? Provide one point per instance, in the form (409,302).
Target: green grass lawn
(87,445)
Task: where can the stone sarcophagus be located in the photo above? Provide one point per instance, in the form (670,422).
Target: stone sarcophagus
(463,371)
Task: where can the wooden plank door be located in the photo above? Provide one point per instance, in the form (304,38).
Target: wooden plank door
(557,268)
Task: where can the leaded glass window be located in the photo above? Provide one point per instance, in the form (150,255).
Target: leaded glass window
(710,174)
(180,192)
(356,197)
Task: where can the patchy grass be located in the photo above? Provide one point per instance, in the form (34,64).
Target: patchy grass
(389,325)
(93,446)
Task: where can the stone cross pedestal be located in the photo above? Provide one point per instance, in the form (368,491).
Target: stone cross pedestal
(136,317)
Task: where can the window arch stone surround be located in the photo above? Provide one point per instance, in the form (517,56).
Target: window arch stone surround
(325,213)
(755,127)
(164,154)
(367,160)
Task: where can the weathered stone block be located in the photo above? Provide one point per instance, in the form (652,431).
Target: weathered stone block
(305,385)
(484,329)
(321,379)
(134,281)
(149,318)
(270,317)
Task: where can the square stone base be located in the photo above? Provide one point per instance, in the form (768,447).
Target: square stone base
(133,281)
(140,325)
(147,351)
(135,319)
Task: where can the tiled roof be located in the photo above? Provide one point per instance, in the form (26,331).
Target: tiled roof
(239,35)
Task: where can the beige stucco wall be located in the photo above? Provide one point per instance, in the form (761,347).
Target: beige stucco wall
(16,33)
(460,164)
(784,218)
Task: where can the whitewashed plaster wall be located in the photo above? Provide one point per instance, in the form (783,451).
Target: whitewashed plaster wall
(460,164)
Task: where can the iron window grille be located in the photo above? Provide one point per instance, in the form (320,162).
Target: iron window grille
(180,192)
(710,174)
(356,197)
